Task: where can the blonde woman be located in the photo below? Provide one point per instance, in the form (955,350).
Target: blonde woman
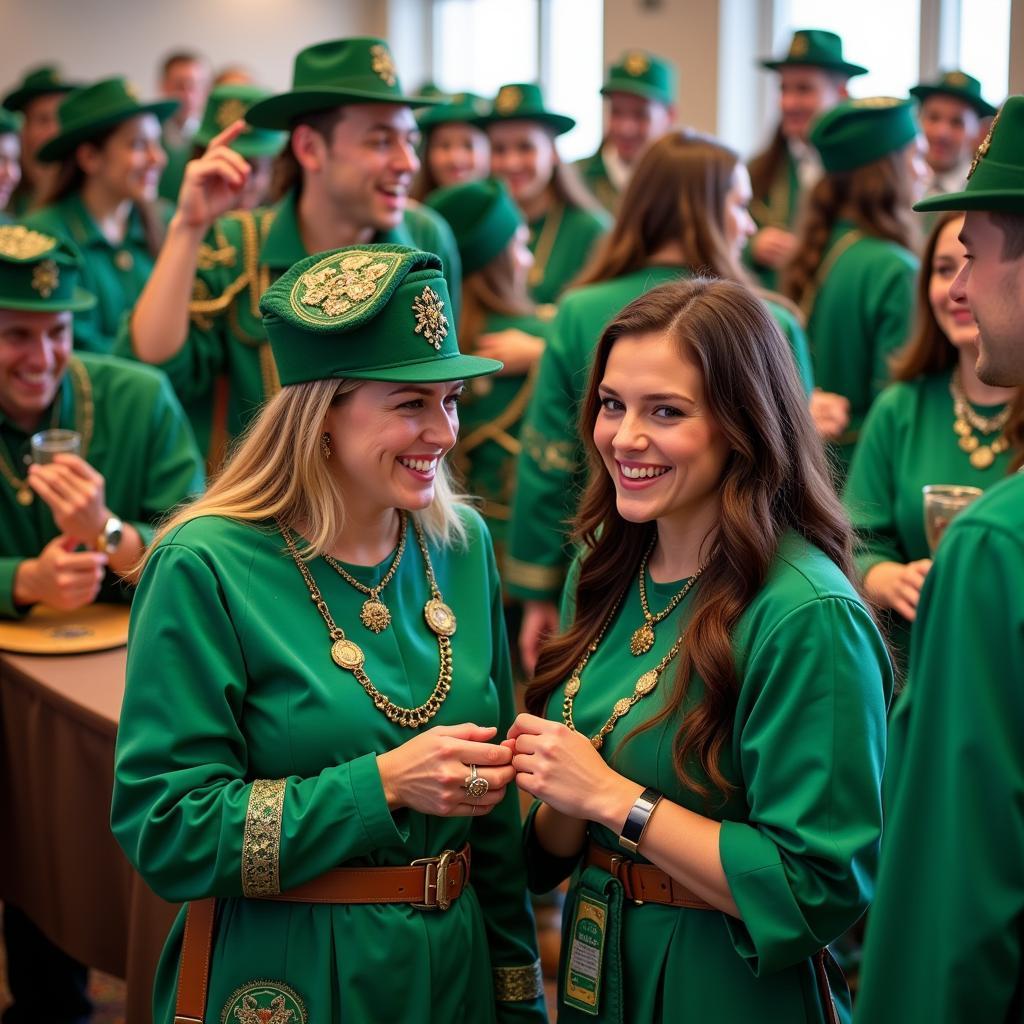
(328,619)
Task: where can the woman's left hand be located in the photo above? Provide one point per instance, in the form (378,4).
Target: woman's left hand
(518,350)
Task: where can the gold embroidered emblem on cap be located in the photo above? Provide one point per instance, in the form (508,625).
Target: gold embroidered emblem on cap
(985,145)
(383,64)
(799,45)
(955,78)
(636,64)
(22,243)
(337,286)
(508,100)
(229,112)
(132,92)
(45,278)
(876,102)
(430,319)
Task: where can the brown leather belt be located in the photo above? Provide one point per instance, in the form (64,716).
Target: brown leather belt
(644,883)
(429,883)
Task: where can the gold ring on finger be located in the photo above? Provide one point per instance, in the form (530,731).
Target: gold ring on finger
(475,785)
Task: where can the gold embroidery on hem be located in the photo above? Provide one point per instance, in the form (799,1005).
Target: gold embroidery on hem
(515,984)
(532,577)
(261,840)
(548,453)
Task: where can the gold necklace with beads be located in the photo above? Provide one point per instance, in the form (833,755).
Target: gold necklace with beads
(349,655)
(966,421)
(642,639)
(374,614)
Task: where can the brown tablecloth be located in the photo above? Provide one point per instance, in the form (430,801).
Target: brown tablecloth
(58,859)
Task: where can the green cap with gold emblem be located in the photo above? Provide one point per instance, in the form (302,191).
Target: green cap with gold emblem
(959,85)
(367,312)
(524,101)
(39,273)
(228,103)
(38,82)
(93,110)
(643,74)
(996,178)
(858,132)
(816,48)
(483,217)
(331,74)
(462,108)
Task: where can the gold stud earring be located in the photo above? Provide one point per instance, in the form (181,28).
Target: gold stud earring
(325,445)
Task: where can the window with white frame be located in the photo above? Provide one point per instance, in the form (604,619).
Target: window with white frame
(984,45)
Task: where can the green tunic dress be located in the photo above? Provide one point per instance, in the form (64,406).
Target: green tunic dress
(800,833)
(115,274)
(860,311)
(595,177)
(562,241)
(550,472)
(226,348)
(139,440)
(224,620)
(944,934)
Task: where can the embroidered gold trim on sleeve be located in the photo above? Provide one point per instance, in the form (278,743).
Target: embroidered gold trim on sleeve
(261,841)
(516,984)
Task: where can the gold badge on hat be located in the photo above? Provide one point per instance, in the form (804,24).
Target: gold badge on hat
(876,102)
(337,287)
(636,64)
(986,144)
(229,112)
(508,100)
(45,278)
(264,1002)
(955,78)
(131,92)
(23,243)
(799,46)
(382,64)
(431,322)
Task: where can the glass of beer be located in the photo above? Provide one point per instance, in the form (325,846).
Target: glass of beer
(48,443)
(942,503)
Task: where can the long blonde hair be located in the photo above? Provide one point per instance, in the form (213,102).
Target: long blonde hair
(278,471)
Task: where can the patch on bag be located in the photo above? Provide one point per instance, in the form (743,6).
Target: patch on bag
(583,965)
(264,1002)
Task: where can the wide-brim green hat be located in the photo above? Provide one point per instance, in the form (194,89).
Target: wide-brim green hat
(331,74)
(995,180)
(89,112)
(640,73)
(366,312)
(816,48)
(44,81)
(10,123)
(39,273)
(483,217)
(227,104)
(959,85)
(524,101)
(858,132)
(462,108)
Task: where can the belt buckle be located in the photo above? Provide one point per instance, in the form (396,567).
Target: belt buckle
(442,900)
(620,869)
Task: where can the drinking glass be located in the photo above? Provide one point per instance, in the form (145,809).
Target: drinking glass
(48,443)
(942,503)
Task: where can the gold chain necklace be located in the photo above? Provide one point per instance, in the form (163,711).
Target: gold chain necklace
(546,243)
(642,639)
(349,655)
(966,421)
(374,615)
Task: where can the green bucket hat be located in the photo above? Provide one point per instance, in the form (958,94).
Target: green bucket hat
(89,112)
(643,74)
(524,101)
(483,217)
(960,86)
(368,312)
(39,273)
(10,123)
(226,104)
(39,82)
(334,73)
(462,108)
(996,178)
(858,132)
(816,48)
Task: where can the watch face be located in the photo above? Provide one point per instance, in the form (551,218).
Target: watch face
(113,534)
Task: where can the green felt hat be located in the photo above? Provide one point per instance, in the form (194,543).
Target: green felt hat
(90,111)
(996,178)
(39,272)
(643,74)
(462,108)
(483,217)
(960,86)
(331,74)
(228,103)
(39,82)
(367,312)
(10,123)
(816,48)
(524,101)
(858,132)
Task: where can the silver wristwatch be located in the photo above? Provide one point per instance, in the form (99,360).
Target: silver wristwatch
(110,538)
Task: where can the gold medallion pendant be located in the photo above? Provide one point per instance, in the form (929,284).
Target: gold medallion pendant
(982,458)
(347,654)
(375,615)
(440,618)
(642,640)
(25,496)
(647,682)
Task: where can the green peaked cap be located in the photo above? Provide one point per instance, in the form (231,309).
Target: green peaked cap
(228,103)
(462,108)
(524,101)
(90,111)
(331,74)
(959,85)
(643,74)
(39,272)
(42,81)
(816,48)
(996,178)
(483,217)
(858,132)
(367,312)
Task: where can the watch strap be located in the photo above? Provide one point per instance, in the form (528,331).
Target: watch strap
(637,820)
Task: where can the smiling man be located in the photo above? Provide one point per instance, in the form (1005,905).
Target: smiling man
(345,178)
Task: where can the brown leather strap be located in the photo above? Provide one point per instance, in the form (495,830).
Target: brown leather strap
(644,883)
(194,972)
(828,1004)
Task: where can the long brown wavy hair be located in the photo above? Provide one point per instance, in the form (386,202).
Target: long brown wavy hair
(775,479)
(930,352)
(676,194)
(877,198)
(491,289)
(764,166)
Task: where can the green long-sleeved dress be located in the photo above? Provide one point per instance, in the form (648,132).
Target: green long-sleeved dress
(560,258)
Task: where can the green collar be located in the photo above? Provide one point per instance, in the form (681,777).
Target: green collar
(84,231)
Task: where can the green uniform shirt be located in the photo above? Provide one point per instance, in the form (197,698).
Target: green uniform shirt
(944,933)
(550,473)
(777,209)
(246,251)
(860,312)
(561,242)
(224,620)
(595,176)
(174,172)
(115,274)
(800,833)
(140,441)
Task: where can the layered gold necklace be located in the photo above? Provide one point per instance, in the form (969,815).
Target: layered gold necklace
(643,636)
(966,421)
(349,655)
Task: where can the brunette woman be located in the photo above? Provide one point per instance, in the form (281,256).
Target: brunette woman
(455,148)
